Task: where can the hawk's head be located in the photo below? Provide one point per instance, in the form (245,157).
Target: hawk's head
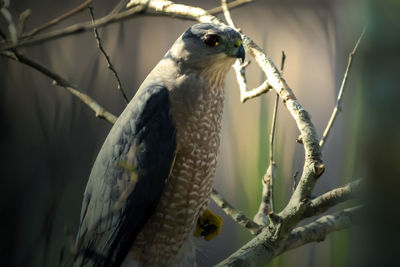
(207,46)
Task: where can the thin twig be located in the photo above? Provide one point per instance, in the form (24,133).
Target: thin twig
(272,164)
(236,215)
(240,69)
(109,64)
(12,29)
(267,202)
(319,229)
(21,21)
(263,88)
(57,20)
(227,14)
(74,29)
(118,7)
(231,5)
(60,81)
(338,107)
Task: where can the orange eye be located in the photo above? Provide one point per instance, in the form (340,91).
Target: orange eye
(211,40)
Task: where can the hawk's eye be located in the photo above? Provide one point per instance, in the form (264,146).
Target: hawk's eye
(211,40)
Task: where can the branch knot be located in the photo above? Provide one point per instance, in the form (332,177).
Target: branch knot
(318,169)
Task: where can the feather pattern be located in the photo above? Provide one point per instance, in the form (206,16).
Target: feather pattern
(153,176)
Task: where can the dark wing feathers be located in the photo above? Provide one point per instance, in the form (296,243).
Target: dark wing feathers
(144,128)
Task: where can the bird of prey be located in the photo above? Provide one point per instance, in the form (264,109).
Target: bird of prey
(152,178)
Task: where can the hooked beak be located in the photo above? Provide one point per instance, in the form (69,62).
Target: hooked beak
(241,54)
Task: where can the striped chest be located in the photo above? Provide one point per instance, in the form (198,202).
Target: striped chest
(187,190)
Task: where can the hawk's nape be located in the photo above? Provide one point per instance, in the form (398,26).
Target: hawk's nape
(153,176)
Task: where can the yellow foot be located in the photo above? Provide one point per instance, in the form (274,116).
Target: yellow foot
(208,225)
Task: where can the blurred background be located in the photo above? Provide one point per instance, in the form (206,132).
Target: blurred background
(49,139)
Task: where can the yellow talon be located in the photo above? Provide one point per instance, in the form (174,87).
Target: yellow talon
(208,225)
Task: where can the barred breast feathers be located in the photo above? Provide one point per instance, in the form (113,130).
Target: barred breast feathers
(196,109)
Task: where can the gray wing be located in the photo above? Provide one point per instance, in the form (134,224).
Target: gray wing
(127,179)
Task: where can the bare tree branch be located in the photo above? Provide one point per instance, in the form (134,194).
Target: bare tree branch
(257,252)
(57,20)
(227,14)
(169,8)
(12,29)
(236,215)
(267,200)
(331,198)
(263,88)
(240,69)
(74,29)
(230,5)
(118,7)
(264,208)
(313,166)
(109,64)
(319,229)
(60,81)
(264,247)
(270,175)
(338,108)
(241,77)
(21,21)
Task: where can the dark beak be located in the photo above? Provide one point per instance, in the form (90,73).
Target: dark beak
(241,54)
